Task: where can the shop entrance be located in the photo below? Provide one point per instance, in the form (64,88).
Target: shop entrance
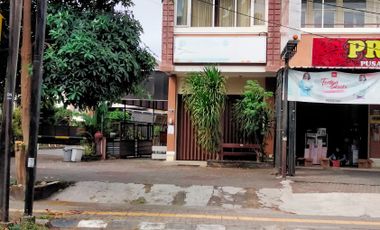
(333,126)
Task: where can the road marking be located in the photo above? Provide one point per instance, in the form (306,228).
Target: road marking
(209,217)
(62,137)
(210,227)
(92,224)
(151,226)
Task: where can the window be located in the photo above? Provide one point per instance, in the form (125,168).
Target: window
(259,12)
(225,13)
(354,18)
(181,12)
(244,7)
(329,13)
(201,15)
(311,13)
(220,13)
(340,13)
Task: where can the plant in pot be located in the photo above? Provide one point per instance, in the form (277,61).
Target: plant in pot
(254,114)
(113,120)
(204,98)
(99,125)
(92,125)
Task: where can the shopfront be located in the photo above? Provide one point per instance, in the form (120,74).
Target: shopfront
(334,85)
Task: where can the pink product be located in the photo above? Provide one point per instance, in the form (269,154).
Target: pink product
(314,155)
(307,153)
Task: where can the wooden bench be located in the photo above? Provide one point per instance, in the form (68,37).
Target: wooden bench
(233,149)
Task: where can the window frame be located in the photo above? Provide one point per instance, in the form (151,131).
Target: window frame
(188,19)
(322,28)
(189,15)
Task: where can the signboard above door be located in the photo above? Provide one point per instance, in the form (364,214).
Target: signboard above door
(346,52)
(220,49)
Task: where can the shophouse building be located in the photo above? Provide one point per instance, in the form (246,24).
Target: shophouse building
(241,37)
(334,81)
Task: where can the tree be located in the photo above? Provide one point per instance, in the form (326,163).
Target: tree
(26,51)
(253,113)
(93,5)
(26,65)
(93,57)
(4,10)
(204,97)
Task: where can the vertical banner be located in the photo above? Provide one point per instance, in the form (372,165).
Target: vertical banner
(334,87)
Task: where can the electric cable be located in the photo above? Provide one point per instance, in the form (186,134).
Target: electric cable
(276,24)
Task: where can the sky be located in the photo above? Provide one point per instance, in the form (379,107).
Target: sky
(149,13)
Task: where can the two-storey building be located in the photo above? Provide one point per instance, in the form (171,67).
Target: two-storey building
(335,82)
(235,35)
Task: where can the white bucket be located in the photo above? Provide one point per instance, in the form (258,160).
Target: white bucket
(66,154)
(76,154)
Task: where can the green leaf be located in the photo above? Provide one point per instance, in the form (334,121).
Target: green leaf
(204,97)
(92,57)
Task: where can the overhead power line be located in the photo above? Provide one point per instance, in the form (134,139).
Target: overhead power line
(345,7)
(275,23)
(150,50)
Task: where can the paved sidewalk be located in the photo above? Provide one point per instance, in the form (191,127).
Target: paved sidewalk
(341,176)
(146,171)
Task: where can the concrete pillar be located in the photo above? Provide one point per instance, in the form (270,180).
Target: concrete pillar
(172,112)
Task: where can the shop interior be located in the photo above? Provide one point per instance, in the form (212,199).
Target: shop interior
(335,131)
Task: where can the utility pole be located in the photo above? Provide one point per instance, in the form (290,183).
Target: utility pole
(284,122)
(287,53)
(31,161)
(278,100)
(6,124)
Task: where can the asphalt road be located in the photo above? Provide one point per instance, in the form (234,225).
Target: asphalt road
(69,215)
(142,216)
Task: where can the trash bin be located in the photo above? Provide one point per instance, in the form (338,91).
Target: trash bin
(76,153)
(67,154)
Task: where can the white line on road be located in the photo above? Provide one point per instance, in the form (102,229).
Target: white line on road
(92,224)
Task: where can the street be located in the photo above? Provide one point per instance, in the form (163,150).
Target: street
(146,194)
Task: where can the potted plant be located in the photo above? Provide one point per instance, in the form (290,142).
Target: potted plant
(254,114)
(204,98)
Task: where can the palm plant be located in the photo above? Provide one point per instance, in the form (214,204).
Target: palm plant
(204,98)
(253,113)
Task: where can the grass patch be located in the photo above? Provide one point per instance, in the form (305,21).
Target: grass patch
(140,200)
(26,226)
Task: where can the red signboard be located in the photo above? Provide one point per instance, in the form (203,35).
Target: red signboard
(346,52)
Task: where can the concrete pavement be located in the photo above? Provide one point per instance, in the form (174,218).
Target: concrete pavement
(69,215)
(145,194)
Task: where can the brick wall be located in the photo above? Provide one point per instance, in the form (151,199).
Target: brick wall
(167,35)
(274,36)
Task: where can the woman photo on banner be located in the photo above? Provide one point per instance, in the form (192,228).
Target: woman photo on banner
(362,81)
(305,85)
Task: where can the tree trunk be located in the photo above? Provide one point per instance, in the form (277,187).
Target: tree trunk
(26,64)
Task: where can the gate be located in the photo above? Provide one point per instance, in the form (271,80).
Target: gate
(134,140)
(188,149)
